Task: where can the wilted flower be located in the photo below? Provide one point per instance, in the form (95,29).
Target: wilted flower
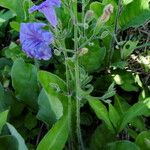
(35,41)
(47,8)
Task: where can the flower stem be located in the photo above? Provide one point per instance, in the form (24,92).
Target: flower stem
(77,78)
(70,146)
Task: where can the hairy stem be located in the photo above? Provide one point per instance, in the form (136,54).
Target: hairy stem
(77,77)
(111,49)
(70,146)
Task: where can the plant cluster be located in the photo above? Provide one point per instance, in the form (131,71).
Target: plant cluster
(74,74)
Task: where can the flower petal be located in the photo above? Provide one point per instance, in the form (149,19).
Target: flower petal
(50,15)
(35,41)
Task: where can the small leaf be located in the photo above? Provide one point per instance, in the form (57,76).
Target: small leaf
(100,111)
(114,115)
(3,118)
(21,142)
(128,49)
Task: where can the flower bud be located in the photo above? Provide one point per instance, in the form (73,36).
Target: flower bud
(57,52)
(108,10)
(89,16)
(83,51)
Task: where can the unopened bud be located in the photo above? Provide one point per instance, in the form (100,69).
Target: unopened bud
(83,51)
(108,10)
(104,34)
(89,16)
(57,52)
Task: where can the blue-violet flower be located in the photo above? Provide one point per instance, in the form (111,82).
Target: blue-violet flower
(47,8)
(35,41)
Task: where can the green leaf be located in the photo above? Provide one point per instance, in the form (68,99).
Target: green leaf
(122,145)
(94,58)
(97,7)
(17,6)
(5,16)
(13,51)
(53,87)
(8,141)
(114,115)
(21,143)
(98,141)
(51,82)
(143,140)
(135,14)
(137,109)
(3,119)
(121,104)
(24,81)
(125,2)
(56,138)
(47,110)
(15,25)
(128,48)
(100,111)
(30,121)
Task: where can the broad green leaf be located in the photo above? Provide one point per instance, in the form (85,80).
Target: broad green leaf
(21,142)
(135,14)
(143,140)
(128,48)
(17,6)
(51,82)
(56,138)
(24,81)
(94,58)
(100,111)
(114,115)
(7,142)
(48,112)
(53,87)
(3,118)
(137,109)
(98,141)
(122,145)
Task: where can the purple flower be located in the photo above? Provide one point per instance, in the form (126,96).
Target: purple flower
(47,8)
(35,41)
